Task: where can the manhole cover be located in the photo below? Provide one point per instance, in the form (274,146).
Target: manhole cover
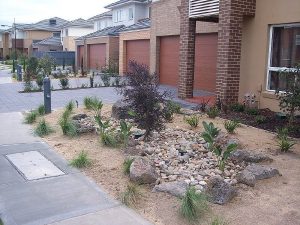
(33,165)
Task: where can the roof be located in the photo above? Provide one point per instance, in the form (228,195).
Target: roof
(121,2)
(53,41)
(140,25)
(43,25)
(108,31)
(78,23)
(102,15)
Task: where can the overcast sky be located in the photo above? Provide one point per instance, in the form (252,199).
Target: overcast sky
(32,11)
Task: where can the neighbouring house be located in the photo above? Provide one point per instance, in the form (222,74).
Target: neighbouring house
(102,20)
(51,44)
(95,50)
(29,34)
(134,45)
(2,55)
(74,29)
(229,47)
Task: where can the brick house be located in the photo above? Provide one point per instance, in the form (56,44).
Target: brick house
(230,47)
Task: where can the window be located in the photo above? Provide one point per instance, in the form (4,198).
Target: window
(118,16)
(130,14)
(284,53)
(67,32)
(56,34)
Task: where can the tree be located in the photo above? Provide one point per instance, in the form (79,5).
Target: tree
(46,64)
(289,97)
(32,68)
(144,99)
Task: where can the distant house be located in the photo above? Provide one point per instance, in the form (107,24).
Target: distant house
(28,34)
(74,29)
(102,20)
(51,44)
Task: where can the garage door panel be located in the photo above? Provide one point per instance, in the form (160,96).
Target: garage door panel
(139,51)
(80,50)
(97,56)
(169,60)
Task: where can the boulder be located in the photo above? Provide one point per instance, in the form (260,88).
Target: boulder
(253,172)
(83,123)
(175,188)
(143,171)
(242,155)
(120,110)
(219,191)
(79,116)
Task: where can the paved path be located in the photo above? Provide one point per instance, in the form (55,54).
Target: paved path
(68,199)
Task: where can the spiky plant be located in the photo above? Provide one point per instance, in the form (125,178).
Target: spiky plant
(70,107)
(231,126)
(43,129)
(213,112)
(41,110)
(193,121)
(108,139)
(126,165)
(125,131)
(193,205)
(131,195)
(81,161)
(285,144)
(67,125)
(31,117)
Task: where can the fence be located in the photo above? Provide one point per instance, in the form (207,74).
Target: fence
(61,58)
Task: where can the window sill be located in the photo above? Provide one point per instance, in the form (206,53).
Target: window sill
(269,94)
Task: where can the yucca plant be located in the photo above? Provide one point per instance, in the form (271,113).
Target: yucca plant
(230,126)
(41,110)
(81,161)
(93,103)
(193,121)
(131,195)
(285,144)
(126,165)
(31,117)
(223,154)
(193,205)
(43,129)
(125,131)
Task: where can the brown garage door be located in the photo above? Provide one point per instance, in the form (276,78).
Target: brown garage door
(79,55)
(139,51)
(96,56)
(205,61)
(169,60)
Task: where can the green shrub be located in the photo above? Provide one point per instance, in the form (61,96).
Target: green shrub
(87,101)
(106,79)
(43,129)
(131,195)
(213,112)
(126,165)
(285,144)
(282,133)
(237,107)
(70,107)
(210,133)
(31,117)
(93,103)
(193,205)
(193,121)
(252,111)
(67,125)
(230,126)
(260,119)
(223,154)
(219,221)
(125,132)
(170,108)
(108,139)
(64,83)
(39,81)
(81,161)
(1,223)
(41,110)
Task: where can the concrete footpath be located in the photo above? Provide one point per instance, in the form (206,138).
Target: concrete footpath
(37,186)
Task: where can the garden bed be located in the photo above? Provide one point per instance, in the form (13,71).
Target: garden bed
(274,201)
(66,89)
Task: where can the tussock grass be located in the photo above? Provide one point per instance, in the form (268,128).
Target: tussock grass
(43,129)
(31,117)
(131,195)
(193,121)
(81,161)
(231,126)
(126,165)
(41,110)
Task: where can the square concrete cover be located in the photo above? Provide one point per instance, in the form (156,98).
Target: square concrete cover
(33,165)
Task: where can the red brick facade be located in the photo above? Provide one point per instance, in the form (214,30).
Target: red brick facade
(229,48)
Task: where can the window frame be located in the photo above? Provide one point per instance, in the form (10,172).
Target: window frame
(130,14)
(269,67)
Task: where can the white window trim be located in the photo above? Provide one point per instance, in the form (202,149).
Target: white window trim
(130,18)
(270,68)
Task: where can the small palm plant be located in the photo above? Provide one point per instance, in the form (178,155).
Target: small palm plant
(94,104)
(43,128)
(81,161)
(193,205)
(223,154)
(67,125)
(231,126)
(193,121)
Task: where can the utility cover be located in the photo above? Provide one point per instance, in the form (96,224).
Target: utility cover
(33,165)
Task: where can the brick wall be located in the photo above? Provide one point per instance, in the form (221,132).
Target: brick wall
(126,36)
(229,47)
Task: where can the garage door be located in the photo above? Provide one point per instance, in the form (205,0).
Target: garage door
(205,61)
(80,50)
(139,51)
(169,60)
(96,56)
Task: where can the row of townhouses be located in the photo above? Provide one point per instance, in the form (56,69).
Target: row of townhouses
(227,47)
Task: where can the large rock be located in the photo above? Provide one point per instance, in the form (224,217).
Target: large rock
(143,171)
(83,123)
(176,188)
(242,155)
(120,110)
(219,191)
(252,173)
